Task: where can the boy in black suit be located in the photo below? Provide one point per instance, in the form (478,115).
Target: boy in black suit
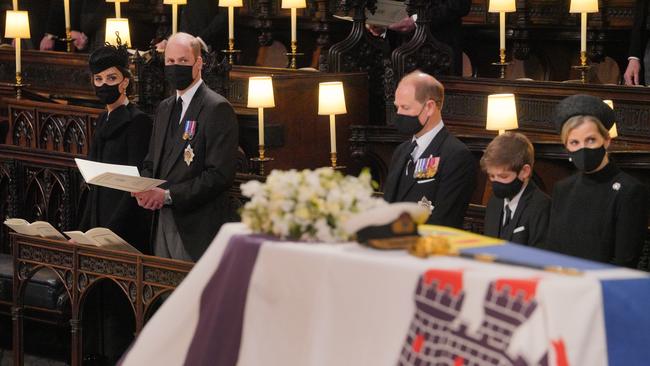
(518,210)
(433,167)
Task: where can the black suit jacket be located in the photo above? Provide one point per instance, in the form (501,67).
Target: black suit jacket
(530,220)
(449,191)
(639,32)
(123,138)
(199,191)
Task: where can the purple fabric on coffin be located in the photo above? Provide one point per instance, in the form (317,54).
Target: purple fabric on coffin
(217,336)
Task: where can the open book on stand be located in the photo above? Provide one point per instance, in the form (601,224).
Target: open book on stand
(101,237)
(37,228)
(121,177)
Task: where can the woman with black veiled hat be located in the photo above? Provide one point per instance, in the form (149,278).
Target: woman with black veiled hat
(121,137)
(600,212)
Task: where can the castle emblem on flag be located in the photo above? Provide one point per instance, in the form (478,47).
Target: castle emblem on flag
(435,336)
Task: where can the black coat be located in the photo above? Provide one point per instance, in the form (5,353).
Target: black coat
(639,32)
(120,138)
(601,216)
(449,191)
(530,220)
(199,191)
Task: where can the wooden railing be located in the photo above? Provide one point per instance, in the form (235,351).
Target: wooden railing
(142,279)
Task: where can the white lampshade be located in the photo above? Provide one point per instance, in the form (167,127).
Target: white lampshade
(501,112)
(119,26)
(260,92)
(233,3)
(583,6)
(17,24)
(331,98)
(296,4)
(613,132)
(506,6)
(177,2)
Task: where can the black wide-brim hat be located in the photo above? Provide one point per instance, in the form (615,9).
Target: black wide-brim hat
(583,105)
(108,56)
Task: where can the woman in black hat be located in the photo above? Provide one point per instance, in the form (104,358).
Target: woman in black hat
(121,137)
(600,212)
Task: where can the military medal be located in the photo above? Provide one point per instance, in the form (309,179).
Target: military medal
(426,167)
(188,155)
(188,132)
(424,202)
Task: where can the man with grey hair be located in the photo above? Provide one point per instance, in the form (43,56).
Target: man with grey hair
(193,147)
(432,168)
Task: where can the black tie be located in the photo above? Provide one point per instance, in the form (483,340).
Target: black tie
(175,118)
(507,212)
(406,177)
(410,164)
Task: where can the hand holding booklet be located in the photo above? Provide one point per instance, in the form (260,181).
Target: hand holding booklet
(121,177)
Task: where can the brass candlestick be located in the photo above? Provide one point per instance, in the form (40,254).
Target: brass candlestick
(583,67)
(68,39)
(261,159)
(333,161)
(231,51)
(18,86)
(502,64)
(293,54)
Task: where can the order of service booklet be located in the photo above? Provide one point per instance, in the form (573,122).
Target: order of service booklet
(101,237)
(122,177)
(37,228)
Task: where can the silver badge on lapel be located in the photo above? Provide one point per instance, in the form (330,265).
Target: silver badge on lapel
(188,155)
(616,186)
(424,202)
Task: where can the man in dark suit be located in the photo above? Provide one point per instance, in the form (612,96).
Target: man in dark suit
(638,53)
(193,147)
(433,167)
(206,20)
(446,18)
(518,211)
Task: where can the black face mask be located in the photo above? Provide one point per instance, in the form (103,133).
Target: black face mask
(108,94)
(179,76)
(587,159)
(507,190)
(409,125)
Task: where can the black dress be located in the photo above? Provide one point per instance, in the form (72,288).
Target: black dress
(120,138)
(600,216)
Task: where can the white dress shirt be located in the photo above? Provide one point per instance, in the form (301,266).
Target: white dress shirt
(424,141)
(512,203)
(187,97)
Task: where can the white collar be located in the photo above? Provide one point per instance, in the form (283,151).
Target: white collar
(512,203)
(189,93)
(424,140)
